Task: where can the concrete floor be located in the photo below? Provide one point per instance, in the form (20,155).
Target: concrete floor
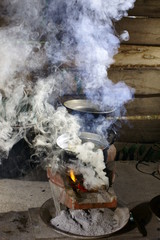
(18,195)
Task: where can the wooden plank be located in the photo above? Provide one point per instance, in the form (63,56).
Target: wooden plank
(129,57)
(139,131)
(136,57)
(142,130)
(144,31)
(144,106)
(149,8)
(143,81)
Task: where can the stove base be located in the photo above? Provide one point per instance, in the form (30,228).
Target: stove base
(101,199)
(48,211)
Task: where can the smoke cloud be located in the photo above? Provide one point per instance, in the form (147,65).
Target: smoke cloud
(87,37)
(37,39)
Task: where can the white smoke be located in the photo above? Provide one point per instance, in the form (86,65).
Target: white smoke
(89,159)
(39,37)
(92,165)
(86,36)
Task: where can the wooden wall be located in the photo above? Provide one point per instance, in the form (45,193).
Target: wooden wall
(138,65)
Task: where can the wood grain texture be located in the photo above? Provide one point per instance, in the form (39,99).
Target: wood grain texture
(149,8)
(144,106)
(144,31)
(139,131)
(143,81)
(146,131)
(136,57)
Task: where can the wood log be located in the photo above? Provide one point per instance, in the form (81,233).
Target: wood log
(135,117)
(144,106)
(139,131)
(142,123)
(149,8)
(137,57)
(144,31)
(129,57)
(138,67)
(144,81)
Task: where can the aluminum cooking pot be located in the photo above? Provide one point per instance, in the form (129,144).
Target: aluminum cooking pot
(99,141)
(80,104)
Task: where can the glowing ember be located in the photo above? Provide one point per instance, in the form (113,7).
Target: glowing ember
(72,175)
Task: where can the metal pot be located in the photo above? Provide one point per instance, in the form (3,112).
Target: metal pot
(80,104)
(99,141)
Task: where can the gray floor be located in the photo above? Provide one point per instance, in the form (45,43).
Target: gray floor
(18,195)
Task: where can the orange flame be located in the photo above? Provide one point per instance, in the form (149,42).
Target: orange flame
(72,175)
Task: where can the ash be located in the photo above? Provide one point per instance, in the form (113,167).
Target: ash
(92,222)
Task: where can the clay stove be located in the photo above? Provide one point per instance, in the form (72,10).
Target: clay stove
(68,189)
(66,185)
(81,199)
